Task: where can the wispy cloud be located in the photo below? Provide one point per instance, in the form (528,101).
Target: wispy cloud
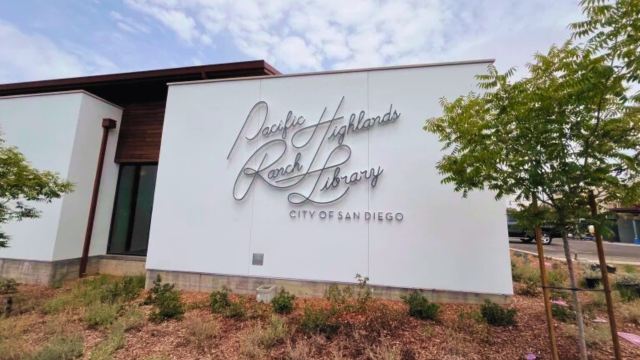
(31,56)
(321,34)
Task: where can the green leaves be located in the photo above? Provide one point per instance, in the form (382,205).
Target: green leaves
(21,186)
(567,128)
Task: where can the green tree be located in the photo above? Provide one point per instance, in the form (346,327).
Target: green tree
(565,130)
(22,187)
(612,27)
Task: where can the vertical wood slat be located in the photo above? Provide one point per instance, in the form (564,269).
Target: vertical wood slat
(140,133)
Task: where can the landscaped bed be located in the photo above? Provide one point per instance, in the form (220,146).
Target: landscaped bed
(104,317)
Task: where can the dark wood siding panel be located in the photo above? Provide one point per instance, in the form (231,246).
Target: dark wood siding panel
(140,133)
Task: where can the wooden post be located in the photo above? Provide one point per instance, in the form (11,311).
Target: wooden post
(545,289)
(605,280)
(107,124)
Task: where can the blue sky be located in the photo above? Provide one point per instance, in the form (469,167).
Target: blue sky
(43,39)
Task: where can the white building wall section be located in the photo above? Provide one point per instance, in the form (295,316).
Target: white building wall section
(82,171)
(43,128)
(443,241)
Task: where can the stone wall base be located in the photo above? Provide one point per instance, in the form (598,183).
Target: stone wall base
(52,272)
(188,281)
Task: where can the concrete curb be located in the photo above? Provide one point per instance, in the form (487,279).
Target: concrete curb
(582,260)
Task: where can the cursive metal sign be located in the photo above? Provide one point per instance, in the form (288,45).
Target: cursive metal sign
(327,174)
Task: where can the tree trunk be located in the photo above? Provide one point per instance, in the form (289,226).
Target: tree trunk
(576,302)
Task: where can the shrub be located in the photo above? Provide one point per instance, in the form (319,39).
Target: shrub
(318,320)
(61,348)
(102,314)
(627,279)
(528,288)
(563,313)
(282,303)
(335,294)
(631,312)
(235,310)
(107,347)
(219,300)
(124,290)
(523,271)
(557,276)
(201,332)
(496,315)
(8,286)
(166,301)
(420,307)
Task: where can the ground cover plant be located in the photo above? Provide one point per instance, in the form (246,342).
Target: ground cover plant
(106,317)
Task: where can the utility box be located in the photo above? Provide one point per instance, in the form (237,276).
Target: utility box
(265,293)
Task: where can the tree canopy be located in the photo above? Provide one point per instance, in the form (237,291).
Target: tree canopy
(22,187)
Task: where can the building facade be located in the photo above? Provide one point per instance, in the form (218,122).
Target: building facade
(237,175)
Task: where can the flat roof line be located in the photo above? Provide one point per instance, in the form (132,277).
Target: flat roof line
(62,93)
(382,68)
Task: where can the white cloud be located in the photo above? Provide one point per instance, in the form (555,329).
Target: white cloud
(128,24)
(34,57)
(313,34)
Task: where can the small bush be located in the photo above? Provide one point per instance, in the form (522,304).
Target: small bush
(102,314)
(282,303)
(107,347)
(302,350)
(631,312)
(166,301)
(523,271)
(563,313)
(123,290)
(219,300)
(201,332)
(557,276)
(235,310)
(420,307)
(318,320)
(528,288)
(496,315)
(8,286)
(335,294)
(61,348)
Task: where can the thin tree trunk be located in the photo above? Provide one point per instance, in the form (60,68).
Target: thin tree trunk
(576,302)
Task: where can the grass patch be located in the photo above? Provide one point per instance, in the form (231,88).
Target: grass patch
(131,319)
(107,347)
(100,314)
(12,343)
(61,348)
(594,335)
(201,332)
(384,351)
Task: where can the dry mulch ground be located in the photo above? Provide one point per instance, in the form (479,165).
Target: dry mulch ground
(362,335)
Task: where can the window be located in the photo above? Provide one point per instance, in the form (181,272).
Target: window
(132,210)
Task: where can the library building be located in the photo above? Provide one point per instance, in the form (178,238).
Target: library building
(238,175)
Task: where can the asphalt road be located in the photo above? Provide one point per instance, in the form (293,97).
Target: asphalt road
(586,250)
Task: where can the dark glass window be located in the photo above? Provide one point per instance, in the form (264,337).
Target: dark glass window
(132,210)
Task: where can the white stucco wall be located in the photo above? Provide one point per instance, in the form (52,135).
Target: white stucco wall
(82,171)
(444,241)
(60,132)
